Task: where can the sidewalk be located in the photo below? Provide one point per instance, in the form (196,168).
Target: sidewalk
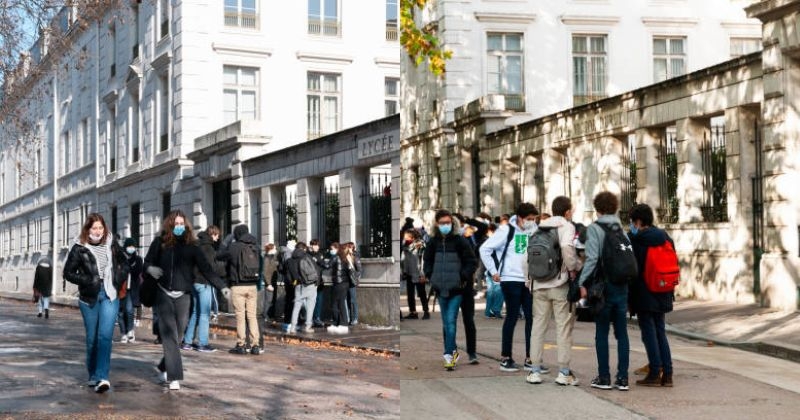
(383,340)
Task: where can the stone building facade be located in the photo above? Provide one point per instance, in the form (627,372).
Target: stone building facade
(714,152)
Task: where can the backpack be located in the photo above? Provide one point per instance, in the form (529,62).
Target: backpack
(617,258)
(499,262)
(308,271)
(661,269)
(248,263)
(544,254)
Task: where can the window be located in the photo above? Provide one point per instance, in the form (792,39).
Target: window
(324,99)
(241,13)
(715,208)
(65,228)
(114,220)
(88,144)
(504,68)
(112,59)
(111,142)
(391,20)
(2,187)
(744,46)
(65,142)
(135,221)
(163,108)
(392,89)
(164,6)
(240,93)
(323,17)
(133,137)
(669,58)
(135,29)
(588,68)
(166,204)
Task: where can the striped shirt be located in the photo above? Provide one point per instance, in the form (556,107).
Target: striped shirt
(100,253)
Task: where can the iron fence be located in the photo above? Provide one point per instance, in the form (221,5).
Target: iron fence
(377,210)
(668,178)
(286,225)
(715,187)
(328,214)
(628,175)
(538,182)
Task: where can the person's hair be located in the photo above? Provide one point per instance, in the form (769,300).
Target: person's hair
(492,227)
(301,246)
(343,252)
(606,203)
(497,219)
(313,242)
(561,205)
(460,218)
(213,230)
(87,226)
(413,232)
(335,245)
(642,213)
(526,209)
(269,247)
(168,238)
(442,213)
(484,215)
(504,216)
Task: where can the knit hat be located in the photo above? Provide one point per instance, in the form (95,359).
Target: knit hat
(129,242)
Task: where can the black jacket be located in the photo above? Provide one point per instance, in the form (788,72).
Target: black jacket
(136,269)
(231,257)
(206,245)
(455,244)
(43,277)
(81,269)
(293,267)
(178,263)
(340,273)
(322,264)
(640,298)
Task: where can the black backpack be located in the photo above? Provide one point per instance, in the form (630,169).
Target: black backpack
(544,254)
(617,259)
(248,263)
(308,271)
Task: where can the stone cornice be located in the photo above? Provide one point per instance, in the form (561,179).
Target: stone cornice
(241,50)
(514,18)
(576,20)
(387,62)
(771,9)
(669,22)
(316,57)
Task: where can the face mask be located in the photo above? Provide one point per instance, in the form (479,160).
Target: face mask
(178,230)
(95,238)
(528,224)
(633,229)
(272,252)
(408,241)
(445,229)
(130,249)
(333,252)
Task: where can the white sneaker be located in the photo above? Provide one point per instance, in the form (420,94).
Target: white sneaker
(136,322)
(308,329)
(566,379)
(174,386)
(534,378)
(124,339)
(131,336)
(291,330)
(162,376)
(102,386)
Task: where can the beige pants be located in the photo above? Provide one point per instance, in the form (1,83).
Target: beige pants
(245,299)
(547,302)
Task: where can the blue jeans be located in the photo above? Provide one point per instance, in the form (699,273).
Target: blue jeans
(352,305)
(449,307)
(318,307)
(494,298)
(654,338)
(125,314)
(99,320)
(201,309)
(615,311)
(517,296)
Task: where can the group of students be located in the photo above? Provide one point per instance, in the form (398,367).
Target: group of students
(177,278)
(546,267)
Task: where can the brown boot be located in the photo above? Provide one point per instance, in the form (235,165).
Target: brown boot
(644,370)
(650,379)
(666,380)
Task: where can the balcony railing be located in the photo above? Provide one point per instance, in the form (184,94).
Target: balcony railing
(243,19)
(391,31)
(515,102)
(578,100)
(324,27)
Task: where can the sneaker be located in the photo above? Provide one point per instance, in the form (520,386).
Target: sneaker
(102,386)
(174,386)
(456,356)
(508,365)
(644,370)
(136,322)
(255,351)
(601,383)
(534,378)
(568,379)
(318,325)
(448,362)
(528,365)
(46,314)
(308,329)
(426,315)
(185,346)
(412,315)
(239,349)
(473,359)
(206,349)
(162,377)
(622,384)
(354,323)
(39,316)
(90,383)
(124,339)
(291,330)
(131,336)
(214,319)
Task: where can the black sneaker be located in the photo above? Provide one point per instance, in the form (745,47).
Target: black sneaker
(426,315)
(508,365)
(39,316)
(603,383)
(239,349)
(255,350)
(412,315)
(46,314)
(622,384)
(206,349)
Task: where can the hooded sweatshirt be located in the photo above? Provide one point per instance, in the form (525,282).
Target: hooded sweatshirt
(569,259)
(640,298)
(595,235)
(515,265)
(243,239)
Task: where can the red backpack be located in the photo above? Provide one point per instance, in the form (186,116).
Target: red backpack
(661,269)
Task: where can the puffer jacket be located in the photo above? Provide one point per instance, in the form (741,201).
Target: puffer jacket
(178,262)
(206,245)
(340,273)
(449,262)
(81,269)
(640,298)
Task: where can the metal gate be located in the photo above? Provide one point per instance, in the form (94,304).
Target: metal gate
(286,224)
(377,210)
(328,215)
(668,178)
(758,211)
(628,178)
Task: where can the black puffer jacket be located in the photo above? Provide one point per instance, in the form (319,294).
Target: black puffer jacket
(448,260)
(206,245)
(81,269)
(640,298)
(178,263)
(340,273)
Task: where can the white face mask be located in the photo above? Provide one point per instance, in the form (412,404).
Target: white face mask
(130,249)
(272,252)
(96,238)
(528,224)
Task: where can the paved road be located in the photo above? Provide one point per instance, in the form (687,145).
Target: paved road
(42,373)
(710,382)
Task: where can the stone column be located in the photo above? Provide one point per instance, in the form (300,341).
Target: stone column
(554,177)
(307,209)
(648,167)
(609,166)
(529,178)
(691,196)
(238,215)
(267,230)
(352,185)
(396,217)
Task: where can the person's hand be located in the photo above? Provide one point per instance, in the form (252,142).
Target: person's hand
(496,277)
(226,293)
(155,272)
(583,292)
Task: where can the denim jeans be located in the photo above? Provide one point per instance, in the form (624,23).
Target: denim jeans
(654,338)
(304,296)
(449,307)
(125,314)
(214,301)
(412,290)
(352,306)
(494,298)
(44,303)
(99,320)
(615,311)
(201,310)
(517,296)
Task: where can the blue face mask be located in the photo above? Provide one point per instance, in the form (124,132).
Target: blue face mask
(634,230)
(178,230)
(445,229)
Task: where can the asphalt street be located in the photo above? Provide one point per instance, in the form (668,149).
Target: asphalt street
(42,374)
